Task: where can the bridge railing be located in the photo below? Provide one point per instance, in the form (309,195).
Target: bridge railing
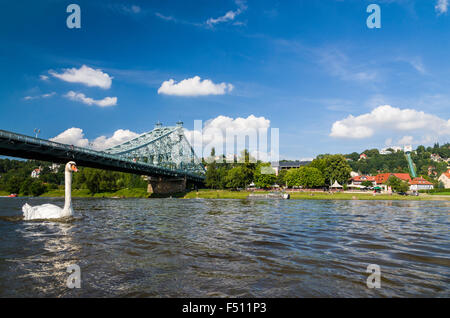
(43,142)
(48,143)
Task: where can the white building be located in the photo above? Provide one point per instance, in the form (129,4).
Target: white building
(35,173)
(385,151)
(54,167)
(445,179)
(420,184)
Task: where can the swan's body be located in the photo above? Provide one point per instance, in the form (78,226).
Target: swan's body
(44,211)
(51,211)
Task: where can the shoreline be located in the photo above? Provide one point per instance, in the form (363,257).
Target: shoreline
(225,194)
(239,195)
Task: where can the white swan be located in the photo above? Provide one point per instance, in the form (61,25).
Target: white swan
(51,211)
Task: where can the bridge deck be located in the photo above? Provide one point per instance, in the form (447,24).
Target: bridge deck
(17,145)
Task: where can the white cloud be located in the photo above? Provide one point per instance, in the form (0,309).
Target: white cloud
(340,65)
(72,136)
(80,97)
(43,77)
(164,17)
(40,96)
(85,75)
(230,15)
(194,87)
(119,136)
(75,136)
(214,135)
(441,6)
(390,119)
(418,65)
(406,140)
(132,9)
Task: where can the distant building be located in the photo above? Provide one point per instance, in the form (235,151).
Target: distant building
(420,184)
(362,156)
(407,148)
(358,180)
(35,173)
(383,177)
(431,171)
(389,150)
(286,165)
(54,167)
(435,157)
(445,179)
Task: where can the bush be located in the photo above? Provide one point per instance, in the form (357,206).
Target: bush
(13,184)
(37,188)
(435,191)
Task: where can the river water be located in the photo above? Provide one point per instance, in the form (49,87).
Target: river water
(227,248)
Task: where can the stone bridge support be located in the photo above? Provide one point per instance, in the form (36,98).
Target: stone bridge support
(165,185)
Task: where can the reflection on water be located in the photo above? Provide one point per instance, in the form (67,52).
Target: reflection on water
(237,248)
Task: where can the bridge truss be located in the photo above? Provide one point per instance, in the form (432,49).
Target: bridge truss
(162,152)
(165,147)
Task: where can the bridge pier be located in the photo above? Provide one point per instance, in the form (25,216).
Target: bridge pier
(165,185)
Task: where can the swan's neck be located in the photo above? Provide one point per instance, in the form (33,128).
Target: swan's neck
(68,189)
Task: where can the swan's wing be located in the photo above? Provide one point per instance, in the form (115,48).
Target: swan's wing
(44,211)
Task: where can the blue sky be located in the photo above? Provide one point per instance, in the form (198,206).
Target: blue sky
(312,68)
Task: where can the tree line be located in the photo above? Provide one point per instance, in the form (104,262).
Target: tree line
(15,177)
(321,172)
(396,162)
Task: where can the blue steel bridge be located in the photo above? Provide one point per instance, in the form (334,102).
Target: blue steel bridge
(163,153)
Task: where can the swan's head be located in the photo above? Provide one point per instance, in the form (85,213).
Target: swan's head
(71,166)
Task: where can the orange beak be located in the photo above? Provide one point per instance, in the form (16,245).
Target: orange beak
(74,168)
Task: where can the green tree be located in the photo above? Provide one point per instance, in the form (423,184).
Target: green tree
(212,176)
(397,185)
(420,149)
(263,178)
(320,163)
(248,166)
(37,188)
(293,177)
(92,180)
(333,167)
(307,177)
(13,184)
(371,152)
(235,177)
(281,178)
(25,186)
(367,183)
(311,177)
(353,156)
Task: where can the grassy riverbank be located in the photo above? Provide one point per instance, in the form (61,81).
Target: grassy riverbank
(227,194)
(224,194)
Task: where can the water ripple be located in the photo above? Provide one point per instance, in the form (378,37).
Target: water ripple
(228,248)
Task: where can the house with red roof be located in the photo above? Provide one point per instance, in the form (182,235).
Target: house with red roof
(36,172)
(445,179)
(420,183)
(383,177)
(357,180)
